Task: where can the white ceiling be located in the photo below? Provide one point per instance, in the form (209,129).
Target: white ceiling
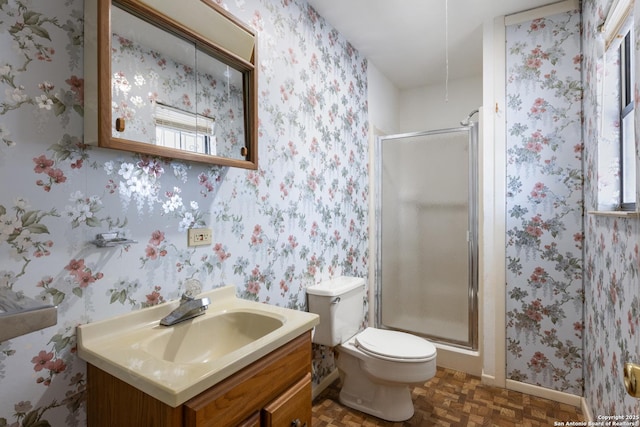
(406,39)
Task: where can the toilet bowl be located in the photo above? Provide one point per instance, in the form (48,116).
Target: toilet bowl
(376,366)
(376,379)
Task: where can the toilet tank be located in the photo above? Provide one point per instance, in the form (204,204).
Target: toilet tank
(340,304)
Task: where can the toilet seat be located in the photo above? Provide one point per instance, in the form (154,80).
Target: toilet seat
(394,345)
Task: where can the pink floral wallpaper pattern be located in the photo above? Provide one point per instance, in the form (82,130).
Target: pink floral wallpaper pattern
(299,219)
(573,288)
(612,260)
(544,203)
(302,216)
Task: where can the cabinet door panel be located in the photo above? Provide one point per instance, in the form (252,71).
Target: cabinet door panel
(292,408)
(112,402)
(249,390)
(252,421)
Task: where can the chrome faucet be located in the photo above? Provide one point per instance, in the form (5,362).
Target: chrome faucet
(188,309)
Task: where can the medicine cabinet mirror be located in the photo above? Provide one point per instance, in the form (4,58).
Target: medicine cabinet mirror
(170,78)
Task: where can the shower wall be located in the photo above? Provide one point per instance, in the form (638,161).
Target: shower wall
(425,272)
(438,106)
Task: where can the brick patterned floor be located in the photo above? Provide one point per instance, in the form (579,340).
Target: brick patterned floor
(452,398)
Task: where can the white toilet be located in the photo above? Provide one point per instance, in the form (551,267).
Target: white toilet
(376,366)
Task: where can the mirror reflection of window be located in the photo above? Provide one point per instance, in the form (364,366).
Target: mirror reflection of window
(190,55)
(151,66)
(180,129)
(148,64)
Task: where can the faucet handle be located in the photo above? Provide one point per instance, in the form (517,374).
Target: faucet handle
(192,287)
(184,298)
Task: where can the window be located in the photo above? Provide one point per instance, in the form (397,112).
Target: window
(627,139)
(176,128)
(616,153)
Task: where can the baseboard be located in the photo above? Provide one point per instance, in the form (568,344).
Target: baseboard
(489,380)
(586,411)
(556,396)
(326,382)
(459,359)
(534,390)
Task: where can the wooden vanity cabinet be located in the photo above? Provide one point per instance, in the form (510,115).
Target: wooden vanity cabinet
(252,421)
(273,391)
(291,408)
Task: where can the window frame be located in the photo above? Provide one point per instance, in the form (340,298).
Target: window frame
(627,107)
(193,132)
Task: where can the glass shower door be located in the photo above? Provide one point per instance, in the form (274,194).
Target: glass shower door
(426,237)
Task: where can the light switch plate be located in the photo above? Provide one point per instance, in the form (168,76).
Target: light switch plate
(199,236)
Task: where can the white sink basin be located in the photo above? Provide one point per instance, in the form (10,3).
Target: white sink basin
(210,338)
(175,363)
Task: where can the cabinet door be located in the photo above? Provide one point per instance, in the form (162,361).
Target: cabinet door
(252,421)
(248,391)
(291,408)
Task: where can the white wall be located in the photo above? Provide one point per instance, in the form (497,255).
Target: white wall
(429,107)
(492,206)
(383,99)
(384,102)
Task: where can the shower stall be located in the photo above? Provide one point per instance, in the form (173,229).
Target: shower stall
(426,218)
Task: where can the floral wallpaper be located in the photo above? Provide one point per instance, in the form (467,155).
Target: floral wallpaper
(298,219)
(544,203)
(612,260)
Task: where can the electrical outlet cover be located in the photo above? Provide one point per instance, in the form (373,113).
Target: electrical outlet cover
(199,236)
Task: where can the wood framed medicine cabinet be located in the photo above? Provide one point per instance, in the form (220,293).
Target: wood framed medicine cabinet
(175,79)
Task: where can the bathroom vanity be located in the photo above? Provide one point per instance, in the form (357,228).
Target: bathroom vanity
(273,391)
(241,363)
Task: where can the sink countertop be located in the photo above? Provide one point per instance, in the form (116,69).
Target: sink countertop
(116,346)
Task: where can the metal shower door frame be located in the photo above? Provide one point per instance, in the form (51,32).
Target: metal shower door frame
(472,129)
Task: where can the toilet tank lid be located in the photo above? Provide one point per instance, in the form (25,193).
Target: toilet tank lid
(336,286)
